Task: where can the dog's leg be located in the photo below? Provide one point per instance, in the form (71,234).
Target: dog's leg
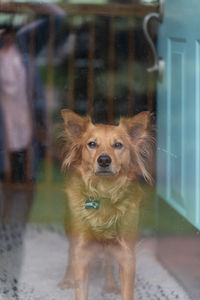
(127,277)
(68,280)
(126,258)
(82,256)
(110,284)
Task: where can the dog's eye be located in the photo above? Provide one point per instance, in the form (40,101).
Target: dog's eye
(92,145)
(117,145)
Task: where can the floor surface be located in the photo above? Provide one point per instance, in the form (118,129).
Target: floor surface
(33,260)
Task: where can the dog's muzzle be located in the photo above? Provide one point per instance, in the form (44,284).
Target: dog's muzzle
(104,166)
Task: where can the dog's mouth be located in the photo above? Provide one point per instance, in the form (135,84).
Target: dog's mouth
(104,172)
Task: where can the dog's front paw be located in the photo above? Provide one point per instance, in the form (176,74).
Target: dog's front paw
(66,283)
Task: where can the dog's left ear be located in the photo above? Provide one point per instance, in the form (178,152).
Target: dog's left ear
(137,126)
(75,125)
(141,132)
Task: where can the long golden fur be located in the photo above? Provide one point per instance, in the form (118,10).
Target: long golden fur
(104,163)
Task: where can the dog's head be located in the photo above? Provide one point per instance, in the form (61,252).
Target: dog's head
(106,150)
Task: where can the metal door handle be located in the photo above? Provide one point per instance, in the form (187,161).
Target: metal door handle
(159,63)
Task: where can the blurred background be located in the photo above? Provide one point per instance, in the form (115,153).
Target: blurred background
(91,57)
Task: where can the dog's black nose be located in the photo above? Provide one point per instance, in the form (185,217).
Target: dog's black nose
(104,161)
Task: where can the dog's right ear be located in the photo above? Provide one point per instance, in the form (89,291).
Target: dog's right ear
(75,125)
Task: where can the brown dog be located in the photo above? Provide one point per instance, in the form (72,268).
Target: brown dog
(103,191)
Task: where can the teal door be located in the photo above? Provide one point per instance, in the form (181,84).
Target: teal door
(178,162)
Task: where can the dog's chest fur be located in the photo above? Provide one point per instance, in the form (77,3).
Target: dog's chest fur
(117,213)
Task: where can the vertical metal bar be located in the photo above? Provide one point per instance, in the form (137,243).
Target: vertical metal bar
(50,98)
(70,94)
(151,82)
(150,85)
(131,68)
(111,71)
(91,67)
(151,91)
